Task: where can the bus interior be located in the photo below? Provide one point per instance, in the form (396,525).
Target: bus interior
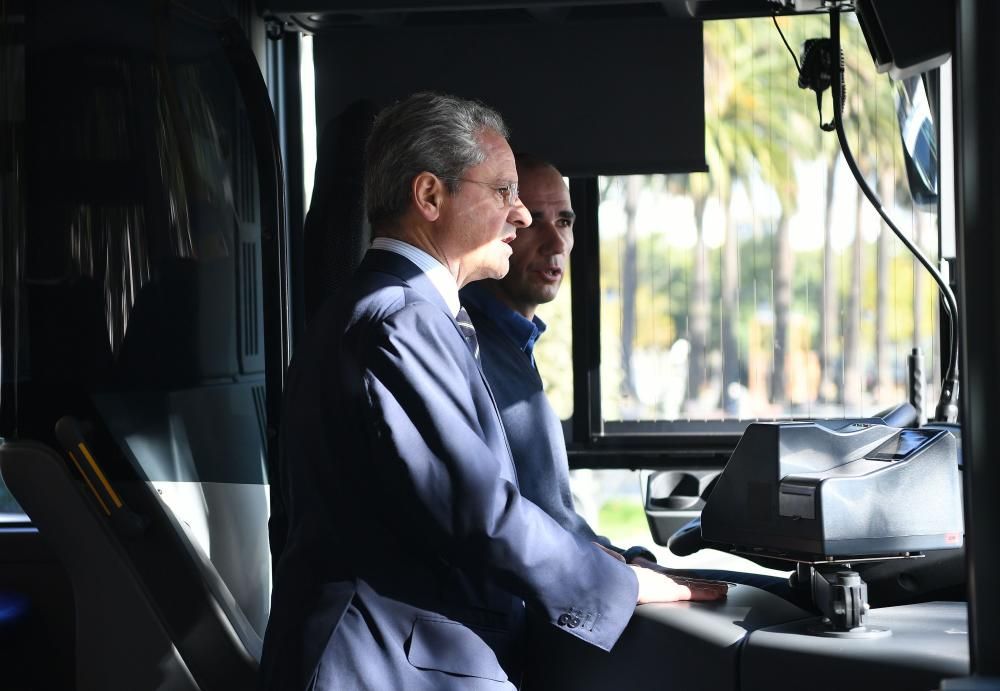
(771,355)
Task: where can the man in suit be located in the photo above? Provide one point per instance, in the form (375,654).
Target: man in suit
(503,312)
(410,553)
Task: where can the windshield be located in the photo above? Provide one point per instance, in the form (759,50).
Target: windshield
(768,287)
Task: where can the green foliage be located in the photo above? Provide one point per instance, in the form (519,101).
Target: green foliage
(620,518)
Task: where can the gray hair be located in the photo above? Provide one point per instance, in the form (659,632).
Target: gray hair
(428,132)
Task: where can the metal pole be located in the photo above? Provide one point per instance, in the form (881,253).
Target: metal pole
(977,148)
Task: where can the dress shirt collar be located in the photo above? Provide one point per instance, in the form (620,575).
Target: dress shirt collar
(435,271)
(524,332)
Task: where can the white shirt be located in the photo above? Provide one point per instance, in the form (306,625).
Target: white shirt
(437,272)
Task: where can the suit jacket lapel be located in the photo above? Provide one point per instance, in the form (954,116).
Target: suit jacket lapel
(402,268)
(397,265)
(405,270)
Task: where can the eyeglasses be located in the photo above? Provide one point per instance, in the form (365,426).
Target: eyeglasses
(508,192)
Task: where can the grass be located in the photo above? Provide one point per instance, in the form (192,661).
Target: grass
(621,518)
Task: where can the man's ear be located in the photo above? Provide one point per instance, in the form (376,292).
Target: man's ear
(429,194)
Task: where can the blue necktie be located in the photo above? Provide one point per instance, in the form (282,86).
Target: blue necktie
(468,332)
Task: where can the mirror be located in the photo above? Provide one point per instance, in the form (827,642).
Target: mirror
(919,136)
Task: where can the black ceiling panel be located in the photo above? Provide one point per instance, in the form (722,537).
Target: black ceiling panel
(596,96)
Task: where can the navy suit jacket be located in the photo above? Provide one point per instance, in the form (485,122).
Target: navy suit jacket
(410,554)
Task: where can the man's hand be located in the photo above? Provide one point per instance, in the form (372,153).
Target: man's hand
(656,586)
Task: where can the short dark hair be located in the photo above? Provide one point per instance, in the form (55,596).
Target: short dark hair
(526,160)
(429,132)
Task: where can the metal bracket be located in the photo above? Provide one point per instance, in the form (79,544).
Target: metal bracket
(842,597)
(829,561)
(274,28)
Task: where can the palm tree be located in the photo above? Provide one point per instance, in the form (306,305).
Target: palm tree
(789,137)
(628,286)
(867,124)
(873,122)
(852,332)
(830,383)
(755,129)
(698,188)
(750,105)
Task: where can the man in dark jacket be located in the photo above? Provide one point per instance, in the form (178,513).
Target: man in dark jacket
(503,312)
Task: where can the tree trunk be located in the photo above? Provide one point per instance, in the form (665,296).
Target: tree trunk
(628,284)
(782,309)
(698,310)
(830,383)
(853,384)
(935,362)
(919,279)
(919,306)
(884,284)
(730,317)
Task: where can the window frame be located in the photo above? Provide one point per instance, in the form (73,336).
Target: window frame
(589,443)
(593,442)
(641,444)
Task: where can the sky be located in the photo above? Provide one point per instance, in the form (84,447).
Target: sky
(661,213)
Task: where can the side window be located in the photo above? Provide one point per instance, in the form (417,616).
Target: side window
(12,228)
(133,294)
(554,352)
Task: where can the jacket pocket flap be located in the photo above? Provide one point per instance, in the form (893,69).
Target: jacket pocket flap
(448,646)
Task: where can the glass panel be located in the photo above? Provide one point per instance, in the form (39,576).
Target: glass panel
(307,75)
(12,219)
(142,277)
(768,288)
(554,350)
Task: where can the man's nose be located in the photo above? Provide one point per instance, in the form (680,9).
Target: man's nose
(555,242)
(519,216)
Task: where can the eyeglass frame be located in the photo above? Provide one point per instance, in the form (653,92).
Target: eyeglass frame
(508,192)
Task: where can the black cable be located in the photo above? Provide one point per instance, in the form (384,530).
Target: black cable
(785,41)
(947,409)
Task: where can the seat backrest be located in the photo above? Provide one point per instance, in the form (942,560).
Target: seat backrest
(141,296)
(146,616)
(336,231)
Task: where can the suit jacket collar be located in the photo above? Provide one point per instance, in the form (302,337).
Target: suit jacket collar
(382,261)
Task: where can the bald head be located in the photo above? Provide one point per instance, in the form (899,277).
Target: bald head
(540,251)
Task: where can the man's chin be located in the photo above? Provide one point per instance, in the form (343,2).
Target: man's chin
(543,294)
(524,295)
(502,265)
(495,270)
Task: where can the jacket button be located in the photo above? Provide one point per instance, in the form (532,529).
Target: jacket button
(564,619)
(574,622)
